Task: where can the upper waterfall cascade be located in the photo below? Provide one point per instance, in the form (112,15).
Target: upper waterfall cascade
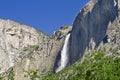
(64,54)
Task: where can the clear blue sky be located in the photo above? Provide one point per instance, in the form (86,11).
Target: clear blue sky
(45,15)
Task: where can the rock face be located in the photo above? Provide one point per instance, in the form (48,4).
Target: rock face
(23,47)
(97,21)
(13,39)
(44,57)
(96,26)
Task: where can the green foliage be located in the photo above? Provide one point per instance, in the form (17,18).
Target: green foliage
(32,74)
(44,70)
(95,66)
(1,77)
(25,48)
(29,47)
(35,47)
(11,74)
(40,32)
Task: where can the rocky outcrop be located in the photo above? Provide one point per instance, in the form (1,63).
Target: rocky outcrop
(13,40)
(97,21)
(42,59)
(97,26)
(24,48)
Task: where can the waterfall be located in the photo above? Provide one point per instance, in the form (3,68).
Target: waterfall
(64,54)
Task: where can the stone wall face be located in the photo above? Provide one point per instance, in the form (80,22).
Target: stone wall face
(90,26)
(24,48)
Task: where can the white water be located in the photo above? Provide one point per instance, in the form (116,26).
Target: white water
(64,54)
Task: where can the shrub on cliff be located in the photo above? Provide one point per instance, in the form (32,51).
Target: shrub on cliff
(95,66)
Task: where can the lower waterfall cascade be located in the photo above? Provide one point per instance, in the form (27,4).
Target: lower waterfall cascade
(64,55)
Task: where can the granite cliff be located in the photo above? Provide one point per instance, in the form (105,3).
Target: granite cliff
(23,48)
(97,26)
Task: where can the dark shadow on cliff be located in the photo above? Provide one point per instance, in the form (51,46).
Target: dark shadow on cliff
(57,61)
(93,26)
